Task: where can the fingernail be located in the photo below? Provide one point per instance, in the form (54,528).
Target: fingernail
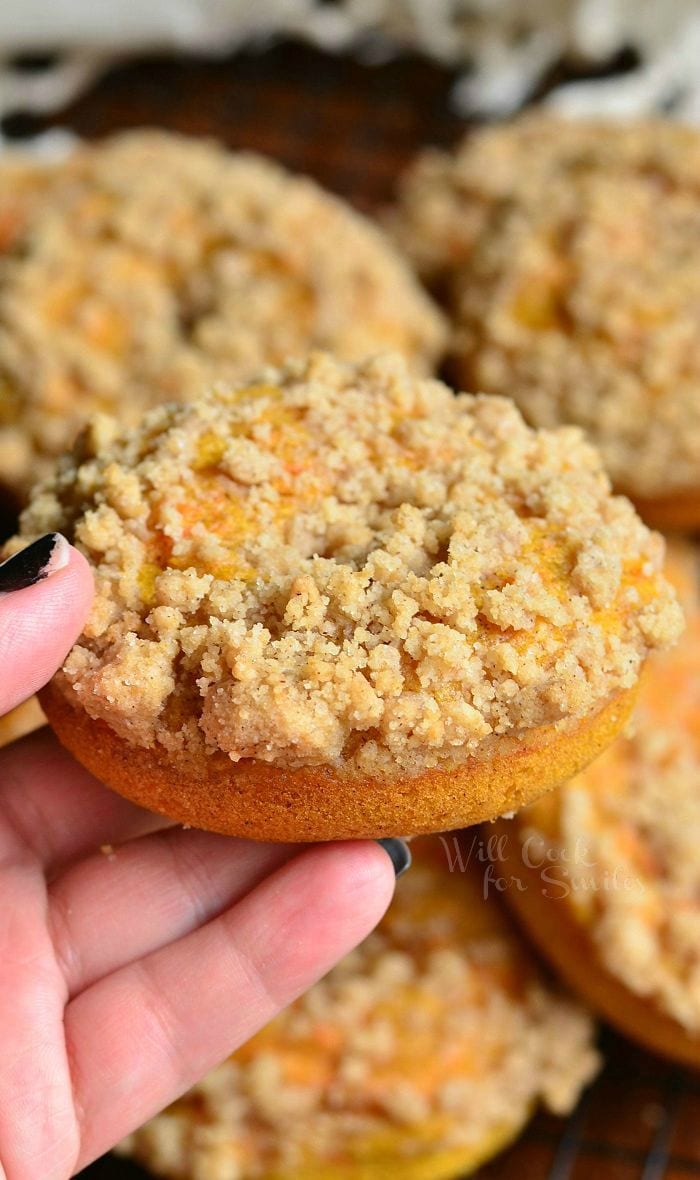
(399,854)
(38,561)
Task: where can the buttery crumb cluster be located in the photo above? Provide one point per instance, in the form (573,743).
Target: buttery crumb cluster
(350,563)
(434,1039)
(628,829)
(140,268)
(566,252)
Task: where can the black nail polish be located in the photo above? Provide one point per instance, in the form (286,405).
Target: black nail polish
(399,853)
(33,564)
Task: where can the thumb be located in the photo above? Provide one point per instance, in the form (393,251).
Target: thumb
(45,595)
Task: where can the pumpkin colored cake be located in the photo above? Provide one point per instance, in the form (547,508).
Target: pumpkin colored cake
(619,914)
(145,267)
(565,252)
(341,601)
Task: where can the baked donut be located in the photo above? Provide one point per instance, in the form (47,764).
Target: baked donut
(148,265)
(421,1055)
(23,719)
(23,184)
(342,602)
(566,253)
(617,910)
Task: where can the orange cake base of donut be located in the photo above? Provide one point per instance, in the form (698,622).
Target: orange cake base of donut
(264,802)
(680,511)
(388,1160)
(549,922)
(23,719)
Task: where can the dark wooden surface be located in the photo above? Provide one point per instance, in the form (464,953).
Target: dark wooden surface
(350,126)
(353,127)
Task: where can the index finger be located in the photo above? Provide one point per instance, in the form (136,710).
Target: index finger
(45,596)
(54,807)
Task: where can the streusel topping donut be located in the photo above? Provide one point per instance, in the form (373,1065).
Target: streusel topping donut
(624,833)
(566,253)
(152,264)
(347,563)
(446,198)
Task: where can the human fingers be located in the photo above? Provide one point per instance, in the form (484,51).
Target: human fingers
(143,1035)
(45,596)
(108,910)
(57,810)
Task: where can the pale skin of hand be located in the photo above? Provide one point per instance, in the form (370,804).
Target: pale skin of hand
(126,975)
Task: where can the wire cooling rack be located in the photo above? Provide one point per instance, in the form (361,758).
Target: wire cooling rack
(354,127)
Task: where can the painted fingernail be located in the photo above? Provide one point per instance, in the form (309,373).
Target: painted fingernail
(38,561)
(399,853)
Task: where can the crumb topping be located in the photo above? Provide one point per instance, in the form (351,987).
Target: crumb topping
(446,198)
(346,562)
(629,828)
(434,1035)
(23,185)
(566,251)
(149,265)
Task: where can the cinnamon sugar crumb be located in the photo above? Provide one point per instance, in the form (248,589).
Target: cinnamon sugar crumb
(144,267)
(566,251)
(410,575)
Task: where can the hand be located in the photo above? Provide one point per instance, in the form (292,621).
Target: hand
(127,973)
